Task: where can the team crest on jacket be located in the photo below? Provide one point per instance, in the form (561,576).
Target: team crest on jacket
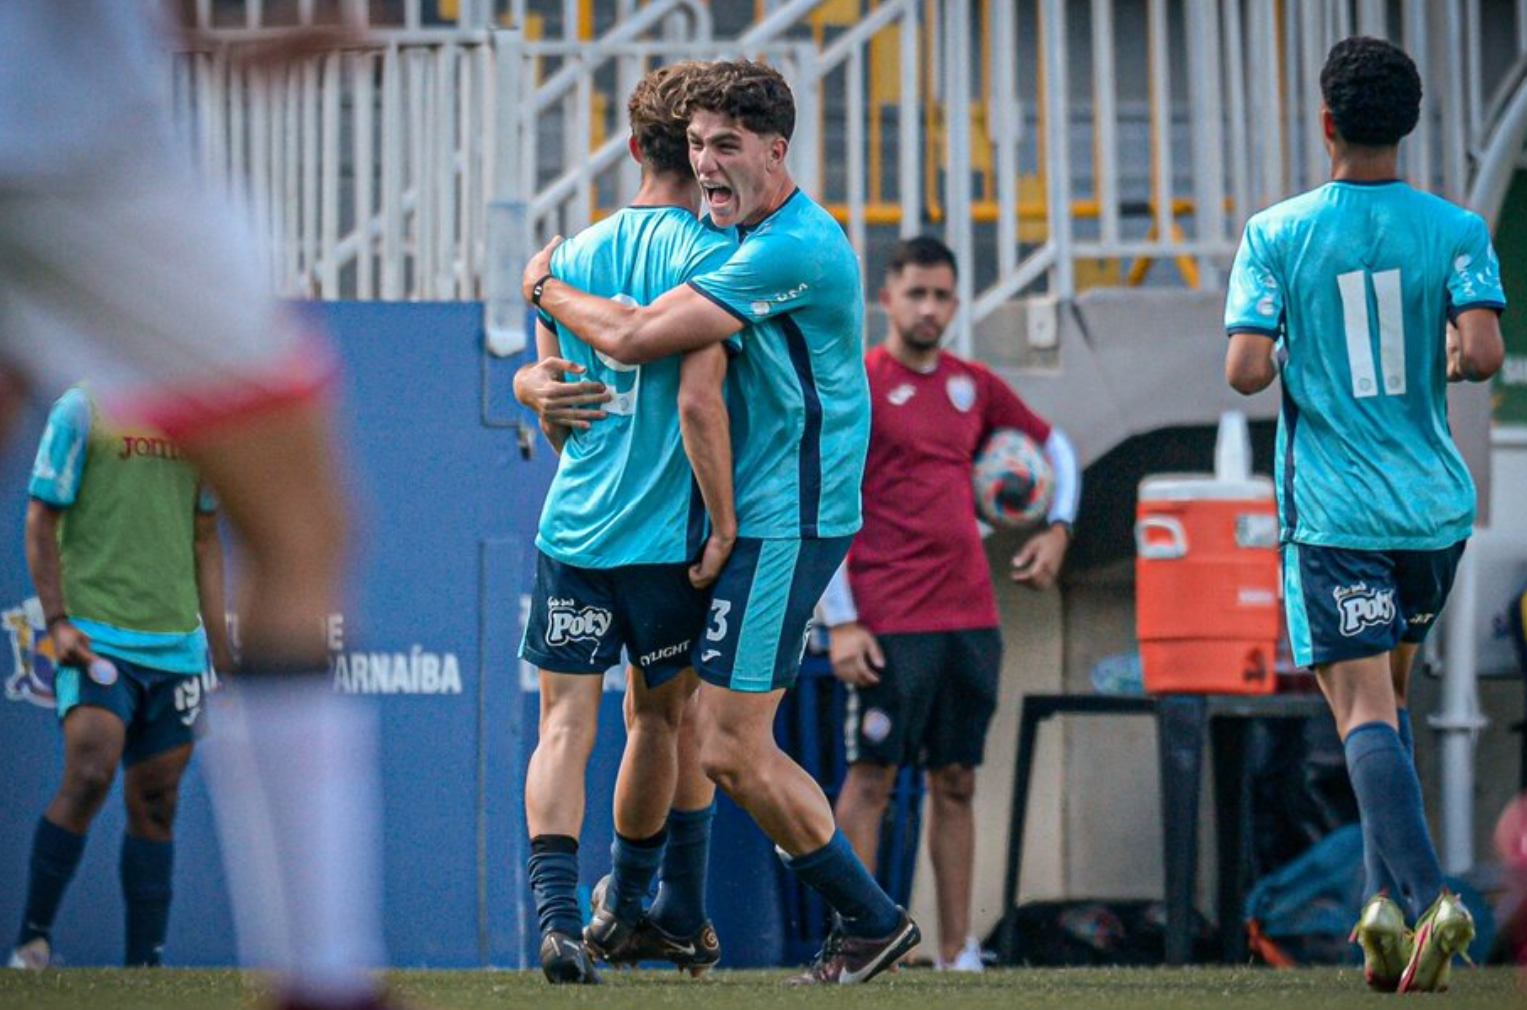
(962,392)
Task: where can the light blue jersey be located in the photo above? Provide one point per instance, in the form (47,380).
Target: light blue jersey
(799,399)
(624,493)
(1356,282)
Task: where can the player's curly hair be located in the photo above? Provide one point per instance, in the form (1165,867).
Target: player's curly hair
(1373,91)
(754,94)
(658,119)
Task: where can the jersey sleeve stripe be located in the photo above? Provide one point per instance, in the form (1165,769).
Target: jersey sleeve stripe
(744,320)
(1454,311)
(1264,331)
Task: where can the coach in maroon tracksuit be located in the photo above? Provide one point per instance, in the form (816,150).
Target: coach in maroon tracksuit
(912,614)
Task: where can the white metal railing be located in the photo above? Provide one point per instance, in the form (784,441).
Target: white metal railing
(370,169)
(1037,133)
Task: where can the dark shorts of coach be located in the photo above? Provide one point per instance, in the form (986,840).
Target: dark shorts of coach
(161,710)
(760,611)
(1347,604)
(581,618)
(934,702)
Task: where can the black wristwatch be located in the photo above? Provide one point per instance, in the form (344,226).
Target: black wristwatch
(538,290)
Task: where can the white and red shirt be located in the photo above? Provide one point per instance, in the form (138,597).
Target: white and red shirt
(918,564)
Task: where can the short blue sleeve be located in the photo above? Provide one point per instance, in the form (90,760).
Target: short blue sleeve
(1474,277)
(1254,303)
(61,453)
(765,278)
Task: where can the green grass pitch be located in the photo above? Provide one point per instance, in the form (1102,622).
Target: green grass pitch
(1068,989)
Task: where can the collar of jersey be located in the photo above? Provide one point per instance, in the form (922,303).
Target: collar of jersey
(744,230)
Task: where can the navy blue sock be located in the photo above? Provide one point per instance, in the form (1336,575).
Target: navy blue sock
(146,870)
(680,905)
(55,855)
(1389,799)
(553,867)
(633,864)
(834,872)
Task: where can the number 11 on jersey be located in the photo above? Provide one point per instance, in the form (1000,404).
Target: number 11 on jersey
(1391,312)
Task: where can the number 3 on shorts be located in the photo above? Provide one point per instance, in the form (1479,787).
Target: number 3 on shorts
(718,611)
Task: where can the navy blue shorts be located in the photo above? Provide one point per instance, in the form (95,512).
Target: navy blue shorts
(760,611)
(933,704)
(160,709)
(1347,604)
(581,618)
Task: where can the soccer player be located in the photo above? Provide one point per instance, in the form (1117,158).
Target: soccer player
(912,614)
(1346,292)
(123,548)
(117,263)
(790,299)
(623,519)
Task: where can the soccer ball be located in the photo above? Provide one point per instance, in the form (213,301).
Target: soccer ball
(1014,484)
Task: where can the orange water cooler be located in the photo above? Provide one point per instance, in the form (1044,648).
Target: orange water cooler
(1207,605)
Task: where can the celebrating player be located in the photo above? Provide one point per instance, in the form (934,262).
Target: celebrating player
(1347,292)
(116,262)
(618,529)
(790,299)
(123,548)
(913,617)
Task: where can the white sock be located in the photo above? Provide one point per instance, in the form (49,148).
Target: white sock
(292,770)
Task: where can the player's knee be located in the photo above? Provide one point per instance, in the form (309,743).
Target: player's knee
(870,783)
(723,760)
(954,785)
(87,780)
(151,814)
(564,730)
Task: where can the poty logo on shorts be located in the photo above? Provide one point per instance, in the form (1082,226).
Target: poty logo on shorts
(666,652)
(1362,607)
(569,624)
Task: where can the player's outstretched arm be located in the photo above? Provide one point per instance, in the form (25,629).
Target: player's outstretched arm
(706,430)
(679,321)
(1475,349)
(210,592)
(1249,364)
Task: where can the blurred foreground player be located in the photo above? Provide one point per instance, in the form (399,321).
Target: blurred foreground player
(912,614)
(116,263)
(790,301)
(1347,292)
(123,548)
(623,520)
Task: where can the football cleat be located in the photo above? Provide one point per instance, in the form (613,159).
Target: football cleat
(607,936)
(565,960)
(696,953)
(1444,931)
(853,960)
(34,955)
(1381,932)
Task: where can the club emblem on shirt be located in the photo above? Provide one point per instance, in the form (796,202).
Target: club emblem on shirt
(901,394)
(962,392)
